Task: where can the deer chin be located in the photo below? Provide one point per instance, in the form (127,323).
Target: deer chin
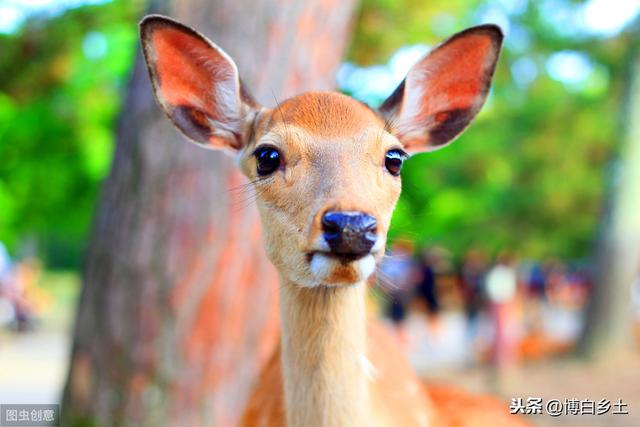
(329,270)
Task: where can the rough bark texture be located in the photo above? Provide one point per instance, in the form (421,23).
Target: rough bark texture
(179,305)
(609,325)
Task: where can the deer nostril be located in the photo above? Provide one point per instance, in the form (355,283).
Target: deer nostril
(333,222)
(368,223)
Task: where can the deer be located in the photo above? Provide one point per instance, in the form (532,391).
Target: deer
(326,171)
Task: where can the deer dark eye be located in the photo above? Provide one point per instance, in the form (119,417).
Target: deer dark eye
(393,161)
(268,160)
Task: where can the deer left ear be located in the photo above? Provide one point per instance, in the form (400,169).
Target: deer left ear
(197,84)
(444,91)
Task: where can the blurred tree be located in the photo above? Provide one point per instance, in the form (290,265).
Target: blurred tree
(178,307)
(609,325)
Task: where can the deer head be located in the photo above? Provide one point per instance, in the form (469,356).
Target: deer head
(325,167)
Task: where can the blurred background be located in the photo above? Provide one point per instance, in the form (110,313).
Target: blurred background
(514,258)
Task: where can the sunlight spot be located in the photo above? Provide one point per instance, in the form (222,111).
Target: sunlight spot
(404,59)
(495,15)
(373,84)
(94,45)
(569,67)
(609,17)
(524,71)
(519,40)
(10,18)
(595,17)
(562,15)
(13,16)
(513,7)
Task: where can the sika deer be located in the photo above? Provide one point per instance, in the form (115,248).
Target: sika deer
(326,169)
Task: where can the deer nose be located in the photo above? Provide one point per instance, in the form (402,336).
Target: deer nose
(349,234)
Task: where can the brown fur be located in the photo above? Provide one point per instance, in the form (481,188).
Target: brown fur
(331,117)
(394,387)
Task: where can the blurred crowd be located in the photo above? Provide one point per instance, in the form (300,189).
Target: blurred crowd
(476,309)
(480,309)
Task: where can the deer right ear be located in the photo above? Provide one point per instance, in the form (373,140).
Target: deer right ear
(444,91)
(196,83)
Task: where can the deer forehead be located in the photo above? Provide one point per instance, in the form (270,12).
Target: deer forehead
(326,113)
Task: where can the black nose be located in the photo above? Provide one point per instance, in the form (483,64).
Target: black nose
(349,234)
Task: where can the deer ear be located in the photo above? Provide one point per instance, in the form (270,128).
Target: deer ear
(196,83)
(444,91)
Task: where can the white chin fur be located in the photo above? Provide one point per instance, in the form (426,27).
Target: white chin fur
(323,266)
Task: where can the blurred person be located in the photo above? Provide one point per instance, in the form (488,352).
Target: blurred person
(635,306)
(5,264)
(471,276)
(635,296)
(537,282)
(501,287)
(398,273)
(556,276)
(447,289)
(7,311)
(577,287)
(24,274)
(16,291)
(427,289)
(426,297)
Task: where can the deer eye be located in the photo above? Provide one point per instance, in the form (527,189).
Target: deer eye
(393,161)
(268,160)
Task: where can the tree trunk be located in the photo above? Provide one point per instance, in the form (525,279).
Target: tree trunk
(608,326)
(179,305)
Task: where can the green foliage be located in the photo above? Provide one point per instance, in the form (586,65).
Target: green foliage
(61,81)
(529,174)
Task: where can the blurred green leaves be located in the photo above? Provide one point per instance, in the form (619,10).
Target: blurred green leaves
(61,80)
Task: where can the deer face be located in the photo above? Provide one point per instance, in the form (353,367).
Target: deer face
(326,174)
(325,168)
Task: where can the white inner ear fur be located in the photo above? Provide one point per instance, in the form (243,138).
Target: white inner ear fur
(417,100)
(225,91)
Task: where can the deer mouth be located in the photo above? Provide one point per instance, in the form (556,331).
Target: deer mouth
(340,269)
(342,258)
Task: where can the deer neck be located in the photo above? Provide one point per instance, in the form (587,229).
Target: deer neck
(323,355)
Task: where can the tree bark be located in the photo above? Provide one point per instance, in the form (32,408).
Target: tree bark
(608,327)
(179,305)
